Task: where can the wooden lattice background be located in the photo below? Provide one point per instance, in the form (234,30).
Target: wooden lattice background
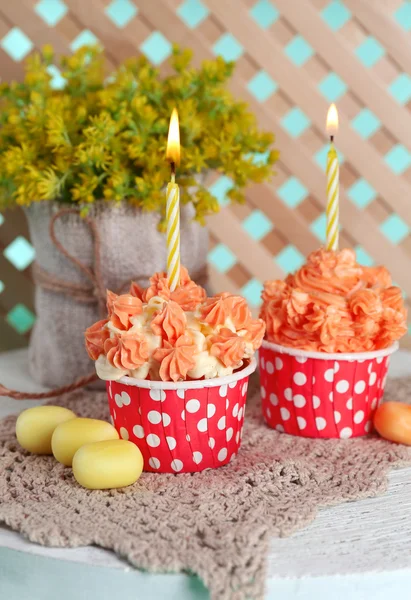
(294,58)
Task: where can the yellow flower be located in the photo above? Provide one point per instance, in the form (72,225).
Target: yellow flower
(102,137)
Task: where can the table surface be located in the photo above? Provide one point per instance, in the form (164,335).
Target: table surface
(352,551)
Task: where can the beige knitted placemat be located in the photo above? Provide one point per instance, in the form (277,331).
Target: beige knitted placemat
(216,524)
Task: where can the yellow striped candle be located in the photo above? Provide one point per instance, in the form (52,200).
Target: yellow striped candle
(173,234)
(333,189)
(173,205)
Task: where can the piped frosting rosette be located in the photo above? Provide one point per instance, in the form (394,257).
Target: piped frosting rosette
(177,365)
(331,328)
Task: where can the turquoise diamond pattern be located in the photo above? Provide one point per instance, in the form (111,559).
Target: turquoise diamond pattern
(85,38)
(20,318)
(400,88)
(398,159)
(257,225)
(262,86)
(264,13)
(57,82)
(16,44)
(363,258)
(222,258)
(259,158)
(319,227)
(290,259)
(403,15)
(295,122)
(220,188)
(192,12)
(366,123)
(362,193)
(228,47)
(20,253)
(332,87)
(156,48)
(252,292)
(121,12)
(292,192)
(336,14)
(51,11)
(299,51)
(395,229)
(370,52)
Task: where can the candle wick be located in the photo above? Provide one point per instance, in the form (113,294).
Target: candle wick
(331,138)
(173,171)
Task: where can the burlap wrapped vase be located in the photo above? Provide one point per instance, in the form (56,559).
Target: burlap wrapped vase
(77,259)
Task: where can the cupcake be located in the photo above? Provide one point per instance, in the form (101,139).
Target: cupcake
(330,330)
(177,365)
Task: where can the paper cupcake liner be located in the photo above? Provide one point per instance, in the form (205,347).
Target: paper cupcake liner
(181,427)
(319,395)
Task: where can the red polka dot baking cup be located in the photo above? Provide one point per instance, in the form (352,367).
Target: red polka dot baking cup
(320,395)
(182,427)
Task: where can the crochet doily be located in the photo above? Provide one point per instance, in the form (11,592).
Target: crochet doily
(217,523)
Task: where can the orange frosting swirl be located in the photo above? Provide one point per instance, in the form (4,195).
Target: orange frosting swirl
(237,308)
(170,323)
(228,347)
(127,350)
(95,336)
(333,304)
(176,335)
(189,295)
(176,361)
(136,290)
(255,332)
(158,287)
(214,311)
(123,307)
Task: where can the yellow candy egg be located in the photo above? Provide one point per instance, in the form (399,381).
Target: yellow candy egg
(106,465)
(35,427)
(70,436)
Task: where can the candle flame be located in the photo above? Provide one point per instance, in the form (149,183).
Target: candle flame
(332,120)
(173,142)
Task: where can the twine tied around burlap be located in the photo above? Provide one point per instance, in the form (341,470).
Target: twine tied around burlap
(95,292)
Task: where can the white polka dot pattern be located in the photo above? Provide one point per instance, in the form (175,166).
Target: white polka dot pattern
(211,410)
(202,425)
(222,455)
(154,417)
(124,433)
(302,423)
(177,465)
(153,440)
(122,399)
(299,400)
(320,398)
(184,430)
(166,419)
(138,431)
(193,405)
(171,442)
(299,378)
(197,457)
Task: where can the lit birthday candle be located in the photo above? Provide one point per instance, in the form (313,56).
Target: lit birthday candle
(173,205)
(333,184)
